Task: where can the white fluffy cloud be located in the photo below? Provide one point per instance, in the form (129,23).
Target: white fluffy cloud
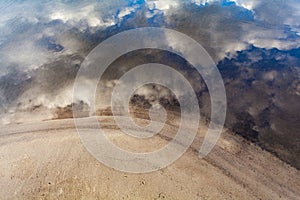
(272,21)
(273,37)
(274,12)
(75,15)
(248,4)
(285,12)
(163,5)
(279,13)
(272,26)
(24,23)
(126,11)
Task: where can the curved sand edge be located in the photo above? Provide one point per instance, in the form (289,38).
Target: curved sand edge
(48,161)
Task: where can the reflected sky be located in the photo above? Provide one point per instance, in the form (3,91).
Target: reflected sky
(255,44)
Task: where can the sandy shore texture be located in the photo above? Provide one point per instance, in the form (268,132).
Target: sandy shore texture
(48,161)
